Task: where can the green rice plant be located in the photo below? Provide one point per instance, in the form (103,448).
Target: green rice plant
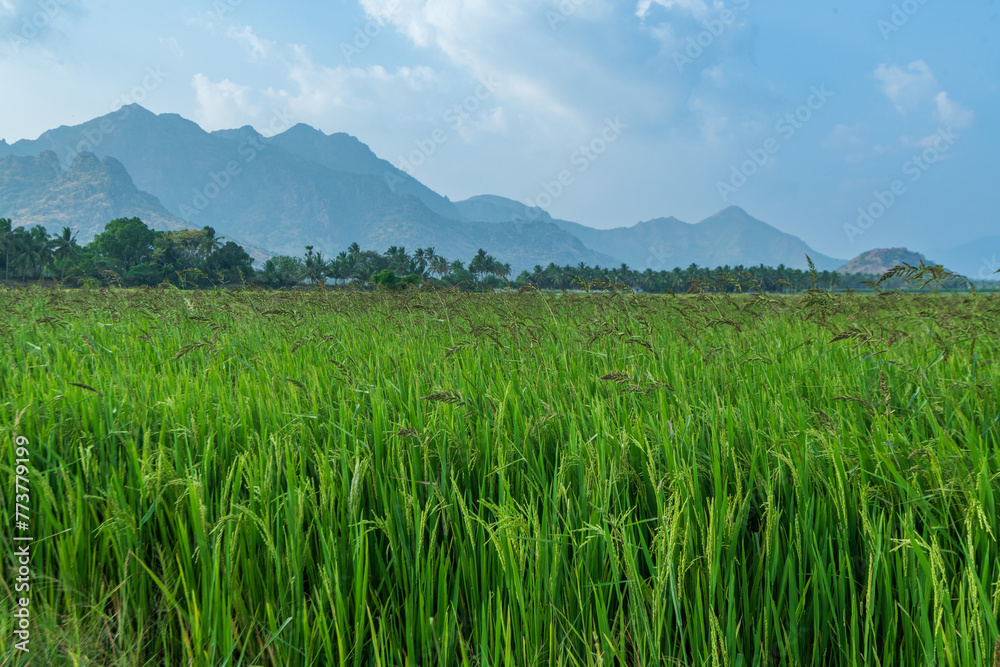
(324,477)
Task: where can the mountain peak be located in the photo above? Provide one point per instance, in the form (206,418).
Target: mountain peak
(86,159)
(302,128)
(338,141)
(493,208)
(733,213)
(670,220)
(879,260)
(135,108)
(247,132)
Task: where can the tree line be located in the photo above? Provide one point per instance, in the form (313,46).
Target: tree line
(129,253)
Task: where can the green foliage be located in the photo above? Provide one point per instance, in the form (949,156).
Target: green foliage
(414,279)
(231,262)
(385,278)
(190,258)
(125,242)
(282,271)
(440,478)
(127,252)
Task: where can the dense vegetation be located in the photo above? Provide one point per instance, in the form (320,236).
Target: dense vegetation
(128,253)
(435,477)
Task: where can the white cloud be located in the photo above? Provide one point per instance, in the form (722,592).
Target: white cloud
(699,8)
(916,88)
(258,48)
(319,89)
(511,41)
(908,88)
(224,104)
(952,113)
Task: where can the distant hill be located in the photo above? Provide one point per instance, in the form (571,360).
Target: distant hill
(342,152)
(491,208)
(267,194)
(880,260)
(303,187)
(91,193)
(731,237)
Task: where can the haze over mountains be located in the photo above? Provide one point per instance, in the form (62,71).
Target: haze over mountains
(92,192)
(302,187)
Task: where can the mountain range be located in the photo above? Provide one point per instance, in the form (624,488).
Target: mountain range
(86,196)
(303,187)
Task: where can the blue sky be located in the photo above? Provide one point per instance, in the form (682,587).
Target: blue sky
(800,112)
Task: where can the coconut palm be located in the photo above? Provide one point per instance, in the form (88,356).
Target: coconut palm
(479,264)
(440,266)
(420,258)
(315,268)
(503,270)
(25,254)
(64,248)
(7,244)
(209,242)
(42,247)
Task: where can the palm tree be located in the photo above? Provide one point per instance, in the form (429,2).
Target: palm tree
(209,242)
(25,255)
(64,247)
(272,275)
(421,259)
(339,267)
(42,250)
(503,270)
(479,264)
(400,261)
(440,266)
(7,243)
(316,267)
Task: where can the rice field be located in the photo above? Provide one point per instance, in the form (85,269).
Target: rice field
(441,478)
